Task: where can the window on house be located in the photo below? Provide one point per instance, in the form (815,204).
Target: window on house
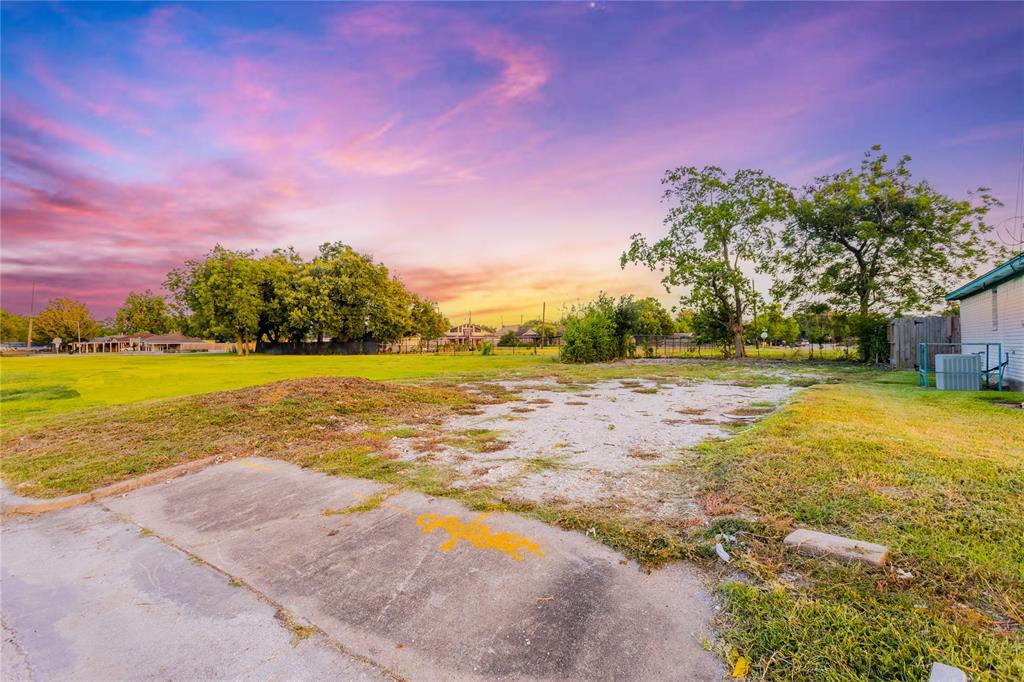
(995,310)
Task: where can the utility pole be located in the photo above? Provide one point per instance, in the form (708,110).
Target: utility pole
(543,319)
(31,312)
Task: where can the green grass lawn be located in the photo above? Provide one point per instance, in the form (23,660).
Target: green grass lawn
(938,477)
(37,387)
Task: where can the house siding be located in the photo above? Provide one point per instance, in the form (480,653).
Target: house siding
(976,322)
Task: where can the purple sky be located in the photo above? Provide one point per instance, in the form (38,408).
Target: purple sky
(496,156)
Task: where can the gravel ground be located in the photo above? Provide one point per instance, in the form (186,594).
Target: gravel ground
(603,443)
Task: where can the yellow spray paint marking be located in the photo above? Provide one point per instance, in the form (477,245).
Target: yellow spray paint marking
(478,534)
(254,465)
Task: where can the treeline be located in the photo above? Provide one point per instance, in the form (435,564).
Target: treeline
(867,244)
(245,296)
(606,328)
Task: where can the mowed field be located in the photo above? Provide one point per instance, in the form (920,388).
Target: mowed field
(37,387)
(938,477)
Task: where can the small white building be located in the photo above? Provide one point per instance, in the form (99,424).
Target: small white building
(992,311)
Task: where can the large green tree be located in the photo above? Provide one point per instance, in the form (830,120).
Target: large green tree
(718,225)
(278,278)
(427,321)
(65,319)
(13,328)
(142,313)
(874,241)
(222,293)
(344,294)
(653,320)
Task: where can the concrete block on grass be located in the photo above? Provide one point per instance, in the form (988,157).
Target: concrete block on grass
(946,673)
(814,543)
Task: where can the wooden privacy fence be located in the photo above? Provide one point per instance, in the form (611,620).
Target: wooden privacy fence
(905,333)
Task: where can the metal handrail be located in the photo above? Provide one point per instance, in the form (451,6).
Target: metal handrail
(922,360)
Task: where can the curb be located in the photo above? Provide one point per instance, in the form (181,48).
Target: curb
(43,506)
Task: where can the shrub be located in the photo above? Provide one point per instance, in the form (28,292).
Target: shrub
(509,338)
(872,337)
(590,335)
(487,349)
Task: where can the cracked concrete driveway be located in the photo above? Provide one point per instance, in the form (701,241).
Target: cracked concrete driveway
(86,596)
(421,587)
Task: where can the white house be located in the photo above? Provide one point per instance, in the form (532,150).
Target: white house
(992,311)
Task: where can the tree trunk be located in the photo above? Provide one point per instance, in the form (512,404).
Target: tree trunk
(737,321)
(862,350)
(737,326)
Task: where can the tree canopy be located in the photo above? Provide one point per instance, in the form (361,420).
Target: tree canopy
(653,320)
(143,313)
(875,241)
(65,319)
(13,327)
(220,294)
(716,225)
(340,294)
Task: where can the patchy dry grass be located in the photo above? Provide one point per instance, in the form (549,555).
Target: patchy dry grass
(299,630)
(369,503)
(306,421)
(476,440)
(543,463)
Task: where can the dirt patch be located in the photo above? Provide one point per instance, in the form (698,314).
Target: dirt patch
(612,446)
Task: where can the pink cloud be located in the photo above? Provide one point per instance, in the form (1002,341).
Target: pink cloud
(35,122)
(457,142)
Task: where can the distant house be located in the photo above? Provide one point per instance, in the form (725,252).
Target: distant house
(470,335)
(120,343)
(529,335)
(992,311)
(173,343)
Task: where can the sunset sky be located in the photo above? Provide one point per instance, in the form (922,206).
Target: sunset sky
(496,156)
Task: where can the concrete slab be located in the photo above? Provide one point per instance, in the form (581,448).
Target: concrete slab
(430,590)
(86,596)
(815,543)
